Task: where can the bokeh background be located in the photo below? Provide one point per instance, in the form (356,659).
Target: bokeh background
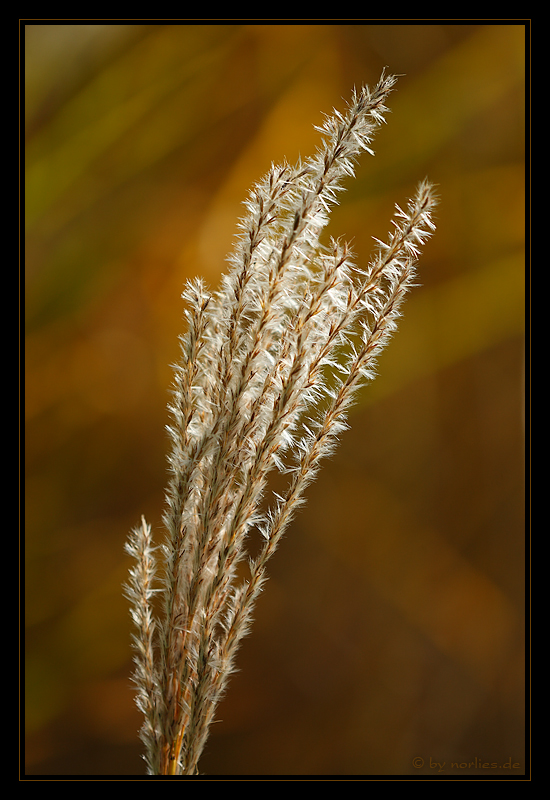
(393,623)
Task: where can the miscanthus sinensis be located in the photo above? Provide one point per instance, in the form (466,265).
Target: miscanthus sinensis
(270,364)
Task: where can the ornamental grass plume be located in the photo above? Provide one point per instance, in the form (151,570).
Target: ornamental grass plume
(270,364)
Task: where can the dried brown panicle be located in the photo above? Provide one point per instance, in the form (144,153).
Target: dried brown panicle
(270,364)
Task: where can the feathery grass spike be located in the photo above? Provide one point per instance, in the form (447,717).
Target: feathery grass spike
(270,364)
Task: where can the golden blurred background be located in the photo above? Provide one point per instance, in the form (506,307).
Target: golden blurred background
(392,627)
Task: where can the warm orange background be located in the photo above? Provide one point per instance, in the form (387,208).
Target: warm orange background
(393,623)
